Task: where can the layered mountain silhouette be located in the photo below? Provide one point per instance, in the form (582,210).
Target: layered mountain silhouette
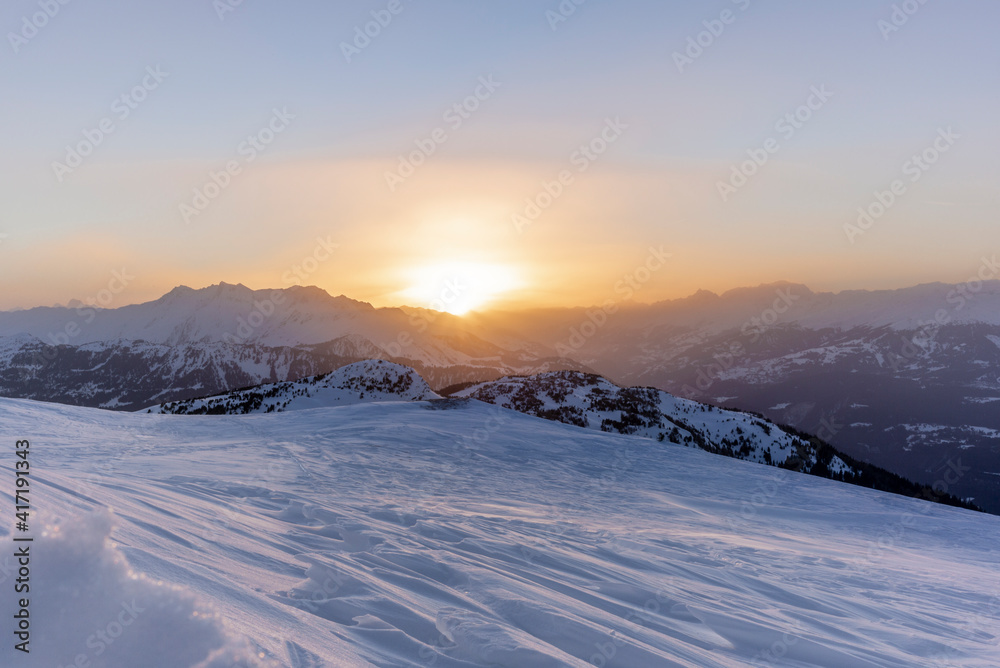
(906,379)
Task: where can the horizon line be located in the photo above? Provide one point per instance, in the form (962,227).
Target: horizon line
(506,306)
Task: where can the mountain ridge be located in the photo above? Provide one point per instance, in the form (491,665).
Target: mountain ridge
(582,400)
(360,382)
(905,394)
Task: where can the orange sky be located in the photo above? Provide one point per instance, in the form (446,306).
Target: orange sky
(620,149)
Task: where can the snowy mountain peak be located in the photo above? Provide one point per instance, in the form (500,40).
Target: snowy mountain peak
(593,402)
(361,382)
(179,291)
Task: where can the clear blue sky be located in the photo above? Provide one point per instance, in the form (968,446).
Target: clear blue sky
(657,185)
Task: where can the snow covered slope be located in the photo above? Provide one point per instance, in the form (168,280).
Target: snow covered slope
(593,402)
(361,382)
(580,399)
(457,534)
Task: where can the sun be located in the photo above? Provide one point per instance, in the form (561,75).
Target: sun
(459,287)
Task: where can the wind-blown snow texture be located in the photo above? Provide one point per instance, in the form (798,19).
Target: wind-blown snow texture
(453,533)
(580,399)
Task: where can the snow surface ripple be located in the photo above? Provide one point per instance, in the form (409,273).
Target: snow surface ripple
(453,533)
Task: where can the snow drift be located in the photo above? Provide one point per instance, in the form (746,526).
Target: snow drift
(456,534)
(88,608)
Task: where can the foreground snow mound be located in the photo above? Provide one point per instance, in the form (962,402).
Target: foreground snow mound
(89,608)
(361,382)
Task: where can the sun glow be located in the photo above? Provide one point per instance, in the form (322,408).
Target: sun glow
(459,287)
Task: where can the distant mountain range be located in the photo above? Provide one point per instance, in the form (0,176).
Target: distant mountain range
(906,379)
(193,343)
